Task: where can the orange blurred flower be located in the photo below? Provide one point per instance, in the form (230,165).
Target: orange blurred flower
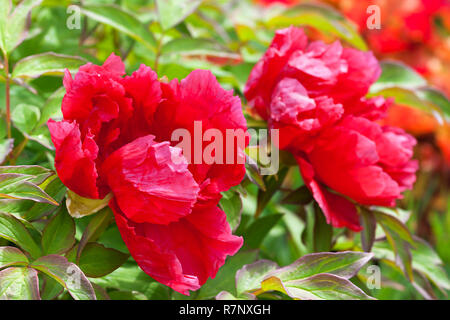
(443,141)
(414,121)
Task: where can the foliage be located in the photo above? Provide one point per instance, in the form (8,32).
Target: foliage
(56,245)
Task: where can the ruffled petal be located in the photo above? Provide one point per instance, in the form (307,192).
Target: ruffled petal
(150,181)
(346,159)
(182,254)
(297,116)
(199,104)
(75,159)
(144,89)
(263,77)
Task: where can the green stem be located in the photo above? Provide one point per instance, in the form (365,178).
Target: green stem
(17,151)
(158,53)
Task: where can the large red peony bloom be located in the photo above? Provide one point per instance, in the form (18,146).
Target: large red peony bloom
(314,94)
(116,138)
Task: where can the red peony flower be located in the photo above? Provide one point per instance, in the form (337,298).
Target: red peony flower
(314,94)
(343,74)
(116,138)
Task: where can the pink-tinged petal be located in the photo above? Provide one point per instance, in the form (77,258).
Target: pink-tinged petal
(339,212)
(112,67)
(297,116)
(405,175)
(395,147)
(319,63)
(78,102)
(363,71)
(75,159)
(150,181)
(370,108)
(95,96)
(182,254)
(262,79)
(290,103)
(67,80)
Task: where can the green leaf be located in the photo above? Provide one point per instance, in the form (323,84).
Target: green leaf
(231,204)
(51,288)
(11,178)
(42,136)
(95,228)
(250,276)
(67,274)
(111,238)
(369,224)
(224,280)
(13,24)
(18,283)
(52,106)
(121,20)
(11,256)
(172,12)
(408,87)
(296,227)
(323,232)
(48,63)
(400,240)
(394,226)
(321,17)
(127,295)
(129,277)
(25,117)
(100,293)
(59,234)
(318,287)
(314,276)
(272,184)
(252,172)
(56,190)
(436,97)
(98,261)
(13,230)
(6,146)
(28,170)
(428,262)
(397,74)
(407,97)
(300,196)
(198,46)
(258,230)
(19,186)
(344,264)
(225,295)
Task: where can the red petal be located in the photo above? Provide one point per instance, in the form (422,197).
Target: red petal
(145,90)
(74,159)
(183,254)
(338,211)
(150,181)
(200,98)
(262,79)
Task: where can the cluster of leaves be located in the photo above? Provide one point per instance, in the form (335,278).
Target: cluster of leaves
(55,245)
